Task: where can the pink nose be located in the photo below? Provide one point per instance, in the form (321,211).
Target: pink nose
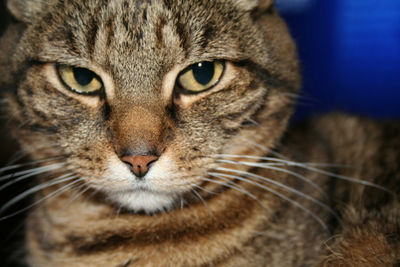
(140,164)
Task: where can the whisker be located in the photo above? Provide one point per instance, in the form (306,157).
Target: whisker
(271,167)
(94,191)
(283,162)
(318,219)
(34,190)
(205,190)
(15,157)
(309,166)
(293,95)
(301,177)
(287,188)
(240,189)
(201,199)
(181,201)
(253,121)
(120,206)
(23,177)
(274,153)
(37,170)
(79,193)
(16,166)
(301,99)
(349,179)
(260,147)
(49,196)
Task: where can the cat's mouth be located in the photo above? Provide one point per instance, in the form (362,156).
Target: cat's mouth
(141,188)
(143,199)
(163,186)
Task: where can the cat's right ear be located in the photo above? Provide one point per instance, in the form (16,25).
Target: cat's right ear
(26,10)
(250,5)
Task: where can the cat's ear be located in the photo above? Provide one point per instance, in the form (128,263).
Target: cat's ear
(250,5)
(26,10)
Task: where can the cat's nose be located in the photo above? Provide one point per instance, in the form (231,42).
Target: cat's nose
(140,165)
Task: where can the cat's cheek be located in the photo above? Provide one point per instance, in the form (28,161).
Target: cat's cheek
(161,175)
(117,176)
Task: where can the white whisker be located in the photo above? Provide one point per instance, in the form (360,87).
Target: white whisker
(253,121)
(349,179)
(287,188)
(276,154)
(118,211)
(181,201)
(15,157)
(309,166)
(319,220)
(283,162)
(260,147)
(37,170)
(201,198)
(49,196)
(272,167)
(79,193)
(33,190)
(205,190)
(238,188)
(16,166)
(18,179)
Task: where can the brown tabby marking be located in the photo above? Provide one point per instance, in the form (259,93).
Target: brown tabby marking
(230,186)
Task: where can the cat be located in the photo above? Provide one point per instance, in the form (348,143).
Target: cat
(160,131)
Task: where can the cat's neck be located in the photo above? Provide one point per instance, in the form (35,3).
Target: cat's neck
(232,215)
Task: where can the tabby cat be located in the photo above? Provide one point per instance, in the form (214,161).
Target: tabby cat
(159,128)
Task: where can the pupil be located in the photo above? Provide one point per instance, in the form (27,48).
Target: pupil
(83,76)
(203,72)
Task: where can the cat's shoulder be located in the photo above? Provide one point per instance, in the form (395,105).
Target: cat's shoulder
(346,131)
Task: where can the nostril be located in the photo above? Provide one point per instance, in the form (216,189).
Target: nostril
(140,164)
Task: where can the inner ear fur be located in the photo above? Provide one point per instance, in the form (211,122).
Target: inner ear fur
(250,5)
(26,10)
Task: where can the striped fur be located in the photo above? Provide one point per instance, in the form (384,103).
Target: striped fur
(208,200)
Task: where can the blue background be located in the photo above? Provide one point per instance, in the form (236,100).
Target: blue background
(350,55)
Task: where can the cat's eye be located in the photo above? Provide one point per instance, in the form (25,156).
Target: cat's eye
(201,76)
(80,80)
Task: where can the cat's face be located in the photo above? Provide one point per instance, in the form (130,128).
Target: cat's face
(140,97)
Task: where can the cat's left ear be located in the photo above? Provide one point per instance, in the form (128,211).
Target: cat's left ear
(27,11)
(250,5)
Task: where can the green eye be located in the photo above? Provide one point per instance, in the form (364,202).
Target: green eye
(201,76)
(80,80)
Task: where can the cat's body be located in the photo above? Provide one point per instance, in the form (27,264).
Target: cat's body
(233,229)
(165,164)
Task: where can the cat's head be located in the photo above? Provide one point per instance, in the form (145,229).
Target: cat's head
(141,98)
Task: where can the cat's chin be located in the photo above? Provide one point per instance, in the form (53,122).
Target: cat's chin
(144,201)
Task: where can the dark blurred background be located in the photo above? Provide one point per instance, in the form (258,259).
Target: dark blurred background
(350,56)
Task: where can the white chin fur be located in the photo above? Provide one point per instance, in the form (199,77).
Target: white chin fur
(146,201)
